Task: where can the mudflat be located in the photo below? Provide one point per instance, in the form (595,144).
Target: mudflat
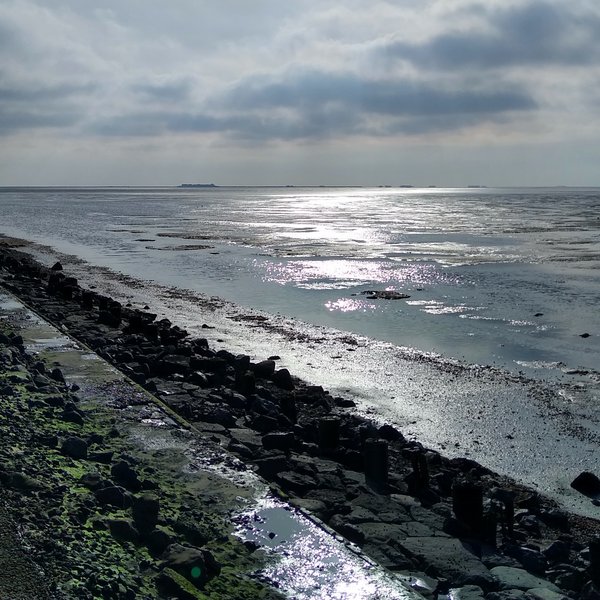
(440,524)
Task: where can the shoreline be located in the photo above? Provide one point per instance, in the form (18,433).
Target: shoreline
(540,432)
(400,515)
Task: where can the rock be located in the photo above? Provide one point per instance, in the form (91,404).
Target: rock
(572,578)
(159,539)
(145,511)
(546,594)
(531,524)
(246,437)
(125,475)
(390,433)
(467,592)
(587,483)
(17,340)
(507,595)
(123,529)
(344,402)
(208,364)
(92,481)
(388,556)
(420,582)
(384,295)
(101,457)
(22,481)
(41,381)
(72,416)
(279,440)
(555,518)
(56,266)
(198,378)
(532,560)
(486,581)
(176,586)
(198,565)
(316,507)
(55,401)
(192,531)
(510,578)
(270,466)
(388,533)
(557,551)
(173,363)
(590,592)
(296,482)
(264,423)
(447,556)
(264,369)
(283,379)
(57,375)
(75,447)
(114,496)
(360,514)
(349,531)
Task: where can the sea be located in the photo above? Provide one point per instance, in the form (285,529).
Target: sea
(489,349)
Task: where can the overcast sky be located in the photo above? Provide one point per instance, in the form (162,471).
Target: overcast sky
(448,92)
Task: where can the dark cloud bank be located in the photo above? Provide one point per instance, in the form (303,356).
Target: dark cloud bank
(537,34)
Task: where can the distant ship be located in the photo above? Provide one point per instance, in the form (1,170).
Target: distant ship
(196,185)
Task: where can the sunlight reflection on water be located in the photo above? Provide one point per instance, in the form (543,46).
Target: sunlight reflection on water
(307,562)
(337,273)
(351,304)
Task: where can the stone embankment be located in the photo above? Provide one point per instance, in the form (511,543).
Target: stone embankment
(85,512)
(447,526)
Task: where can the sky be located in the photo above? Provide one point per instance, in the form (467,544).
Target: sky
(251,92)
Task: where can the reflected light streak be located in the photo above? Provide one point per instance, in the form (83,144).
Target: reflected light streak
(346,305)
(337,273)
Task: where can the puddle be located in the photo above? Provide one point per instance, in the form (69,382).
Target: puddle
(151,438)
(9,304)
(53,343)
(307,562)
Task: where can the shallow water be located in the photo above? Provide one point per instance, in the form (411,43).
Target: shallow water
(505,278)
(496,276)
(310,562)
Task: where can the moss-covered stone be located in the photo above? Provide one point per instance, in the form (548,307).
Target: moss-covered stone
(174,584)
(84,546)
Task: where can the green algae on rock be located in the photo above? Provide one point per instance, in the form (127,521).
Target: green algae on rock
(88,549)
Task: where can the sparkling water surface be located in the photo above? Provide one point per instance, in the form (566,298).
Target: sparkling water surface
(503,277)
(495,276)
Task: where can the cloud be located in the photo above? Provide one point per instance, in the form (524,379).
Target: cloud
(12,121)
(28,105)
(317,105)
(288,71)
(386,97)
(170,91)
(533,34)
